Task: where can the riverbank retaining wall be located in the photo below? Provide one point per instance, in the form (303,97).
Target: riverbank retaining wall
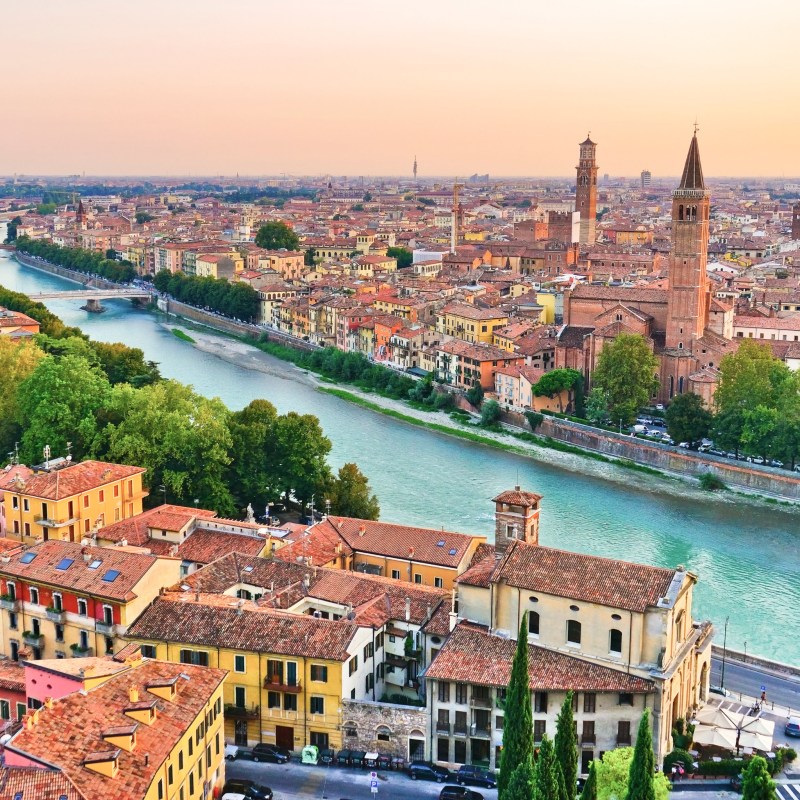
(179,309)
(754,478)
(756,661)
(63,272)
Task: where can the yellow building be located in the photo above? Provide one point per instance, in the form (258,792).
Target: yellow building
(153,731)
(63,599)
(287,673)
(547,300)
(471,324)
(64,500)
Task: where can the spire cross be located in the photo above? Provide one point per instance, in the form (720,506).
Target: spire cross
(696,127)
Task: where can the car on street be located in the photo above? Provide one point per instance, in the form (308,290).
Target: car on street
(248,789)
(792,727)
(719,690)
(476,776)
(425,771)
(231,752)
(459,793)
(268,752)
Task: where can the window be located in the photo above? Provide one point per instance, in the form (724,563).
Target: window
(15,502)
(623,732)
(540,702)
(444,692)
(417,577)
(273,700)
(116,490)
(317,705)
(5,709)
(350,730)
(239,697)
(160,789)
(461,693)
(148,650)
(379,641)
(615,641)
(101,496)
(369,650)
(352,665)
(239,663)
(438,583)
(170,776)
(59,632)
(383,733)
(442,749)
(319,672)
(533,623)
(539,729)
(625,699)
(58,601)
(13,621)
(573,631)
(587,735)
(34,595)
(370,682)
(290,702)
(589,702)
(26,505)
(198,657)
(21,710)
(86,502)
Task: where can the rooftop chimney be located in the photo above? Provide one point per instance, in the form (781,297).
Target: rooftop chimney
(133,694)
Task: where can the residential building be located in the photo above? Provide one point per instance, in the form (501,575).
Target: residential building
(469,323)
(64,500)
(17,325)
(63,598)
(153,731)
(462,364)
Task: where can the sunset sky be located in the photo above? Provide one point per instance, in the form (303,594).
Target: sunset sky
(358,87)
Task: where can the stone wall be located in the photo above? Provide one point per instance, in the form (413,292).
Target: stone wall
(63,272)
(401,721)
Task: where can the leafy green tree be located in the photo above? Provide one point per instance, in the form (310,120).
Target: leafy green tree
(626,371)
(299,466)
(597,406)
(521,782)
(142,217)
(123,364)
(548,779)
(490,413)
(518,722)
(350,494)
(11,229)
(758,431)
(556,382)
(475,394)
(404,256)
(688,420)
(641,780)
(310,255)
(566,747)
(251,470)
(277,235)
(757,783)
(613,774)
(58,403)
(180,437)
(590,787)
(18,360)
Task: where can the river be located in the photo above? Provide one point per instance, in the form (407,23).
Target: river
(746,556)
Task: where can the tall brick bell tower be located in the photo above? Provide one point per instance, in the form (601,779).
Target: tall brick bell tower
(586,191)
(796,221)
(516,518)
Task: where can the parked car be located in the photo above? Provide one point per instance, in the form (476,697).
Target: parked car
(719,690)
(459,793)
(231,752)
(248,789)
(792,727)
(425,771)
(477,776)
(268,752)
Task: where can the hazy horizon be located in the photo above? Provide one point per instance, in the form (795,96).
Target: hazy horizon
(311,88)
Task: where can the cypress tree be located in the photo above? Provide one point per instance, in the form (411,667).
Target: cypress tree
(566,745)
(590,787)
(757,783)
(643,765)
(520,785)
(548,780)
(518,723)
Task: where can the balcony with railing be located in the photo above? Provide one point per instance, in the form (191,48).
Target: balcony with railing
(481,701)
(105,628)
(233,711)
(81,652)
(47,522)
(33,639)
(480,731)
(623,740)
(460,729)
(277,684)
(55,614)
(442,727)
(588,738)
(9,603)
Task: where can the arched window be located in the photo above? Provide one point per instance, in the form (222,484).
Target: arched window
(671,385)
(615,641)
(573,631)
(533,623)
(680,212)
(680,385)
(383,734)
(350,729)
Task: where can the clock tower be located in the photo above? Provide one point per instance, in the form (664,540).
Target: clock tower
(586,191)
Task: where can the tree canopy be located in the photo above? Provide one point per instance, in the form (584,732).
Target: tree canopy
(350,494)
(277,235)
(404,256)
(566,746)
(641,778)
(237,299)
(18,360)
(78,259)
(757,783)
(626,372)
(613,774)
(688,420)
(556,382)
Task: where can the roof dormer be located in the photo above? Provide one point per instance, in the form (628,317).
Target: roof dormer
(103,762)
(166,690)
(143,711)
(122,736)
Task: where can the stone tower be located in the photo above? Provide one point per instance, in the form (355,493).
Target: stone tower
(516,518)
(586,191)
(796,221)
(80,216)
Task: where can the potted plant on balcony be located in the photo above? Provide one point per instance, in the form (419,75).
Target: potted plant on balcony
(78,650)
(54,613)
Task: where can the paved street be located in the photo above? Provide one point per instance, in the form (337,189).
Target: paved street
(748,680)
(295,781)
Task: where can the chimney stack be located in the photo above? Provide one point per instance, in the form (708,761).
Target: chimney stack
(133,694)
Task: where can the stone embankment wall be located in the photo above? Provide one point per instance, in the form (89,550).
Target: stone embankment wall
(63,272)
(366,717)
(756,661)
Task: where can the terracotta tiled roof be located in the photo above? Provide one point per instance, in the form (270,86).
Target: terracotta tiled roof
(481,568)
(177,618)
(516,497)
(12,675)
(79,576)
(37,784)
(606,581)
(69,481)
(204,546)
(73,729)
(621,294)
(403,541)
(472,655)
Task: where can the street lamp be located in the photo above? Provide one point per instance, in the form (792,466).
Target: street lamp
(724,653)
(163,488)
(620,427)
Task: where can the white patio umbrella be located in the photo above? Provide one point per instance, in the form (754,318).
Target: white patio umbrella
(755,732)
(757,741)
(712,736)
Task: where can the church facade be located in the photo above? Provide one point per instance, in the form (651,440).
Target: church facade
(687,328)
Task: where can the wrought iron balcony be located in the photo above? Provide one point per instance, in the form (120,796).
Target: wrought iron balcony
(481,702)
(278,685)
(480,731)
(460,730)
(241,712)
(442,727)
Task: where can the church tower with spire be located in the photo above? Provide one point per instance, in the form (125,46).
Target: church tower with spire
(586,191)
(80,216)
